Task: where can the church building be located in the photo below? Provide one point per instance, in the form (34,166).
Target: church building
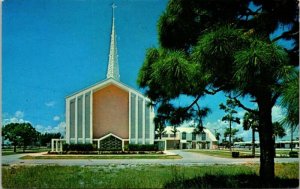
(109,114)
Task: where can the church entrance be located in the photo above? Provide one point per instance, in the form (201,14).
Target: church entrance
(110,143)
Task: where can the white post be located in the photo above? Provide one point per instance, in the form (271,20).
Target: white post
(56,146)
(67,120)
(122,145)
(83,119)
(76,119)
(129,116)
(52,145)
(143,120)
(151,125)
(91,116)
(136,118)
(61,145)
(165,144)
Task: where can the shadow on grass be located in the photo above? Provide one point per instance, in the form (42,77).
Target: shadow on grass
(230,181)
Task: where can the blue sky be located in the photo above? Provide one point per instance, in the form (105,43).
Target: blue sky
(54,48)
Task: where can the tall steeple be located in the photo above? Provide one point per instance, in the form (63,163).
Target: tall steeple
(113,66)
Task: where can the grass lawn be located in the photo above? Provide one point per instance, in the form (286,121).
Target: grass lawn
(10,151)
(217,153)
(142,176)
(146,156)
(243,152)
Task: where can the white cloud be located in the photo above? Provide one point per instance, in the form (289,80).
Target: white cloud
(188,123)
(220,127)
(19,114)
(56,118)
(60,127)
(50,103)
(16,118)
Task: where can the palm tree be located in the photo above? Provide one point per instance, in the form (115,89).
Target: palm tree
(251,121)
(174,131)
(201,113)
(278,130)
(159,126)
(218,135)
(230,132)
(290,101)
(229,109)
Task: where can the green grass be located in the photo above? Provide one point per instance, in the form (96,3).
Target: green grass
(147,156)
(10,151)
(132,176)
(243,152)
(216,153)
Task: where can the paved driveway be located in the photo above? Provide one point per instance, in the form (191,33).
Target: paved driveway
(188,158)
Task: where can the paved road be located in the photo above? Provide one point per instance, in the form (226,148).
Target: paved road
(188,158)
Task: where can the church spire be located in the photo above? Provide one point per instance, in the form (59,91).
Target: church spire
(113,66)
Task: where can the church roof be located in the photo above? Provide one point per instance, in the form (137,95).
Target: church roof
(99,85)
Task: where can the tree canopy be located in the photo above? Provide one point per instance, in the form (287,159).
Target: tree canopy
(208,46)
(20,134)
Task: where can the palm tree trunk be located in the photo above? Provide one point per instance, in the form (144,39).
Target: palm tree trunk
(253,142)
(267,151)
(291,138)
(174,141)
(230,135)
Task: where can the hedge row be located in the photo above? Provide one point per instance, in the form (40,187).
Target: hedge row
(142,147)
(293,154)
(78,147)
(90,147)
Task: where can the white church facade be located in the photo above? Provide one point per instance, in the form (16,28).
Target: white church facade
(108,112)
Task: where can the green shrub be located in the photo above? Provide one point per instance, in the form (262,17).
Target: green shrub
(107,148)
(142,147)
(293,154)
(78,147)
(235,154)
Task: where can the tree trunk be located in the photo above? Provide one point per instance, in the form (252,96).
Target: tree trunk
(253,142)
(230,135)
(15,148)
(267,151)
(291,138)
(174,141)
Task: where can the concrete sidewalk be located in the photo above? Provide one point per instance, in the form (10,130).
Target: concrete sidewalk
(188,158)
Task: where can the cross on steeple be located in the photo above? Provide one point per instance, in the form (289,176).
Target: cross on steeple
(113,66)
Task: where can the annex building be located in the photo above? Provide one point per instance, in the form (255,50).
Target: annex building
(108,114)
(186,138)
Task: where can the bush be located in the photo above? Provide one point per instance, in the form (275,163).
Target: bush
(110,148)
(235,154)
(293,154)
(78,147)
(142,147)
